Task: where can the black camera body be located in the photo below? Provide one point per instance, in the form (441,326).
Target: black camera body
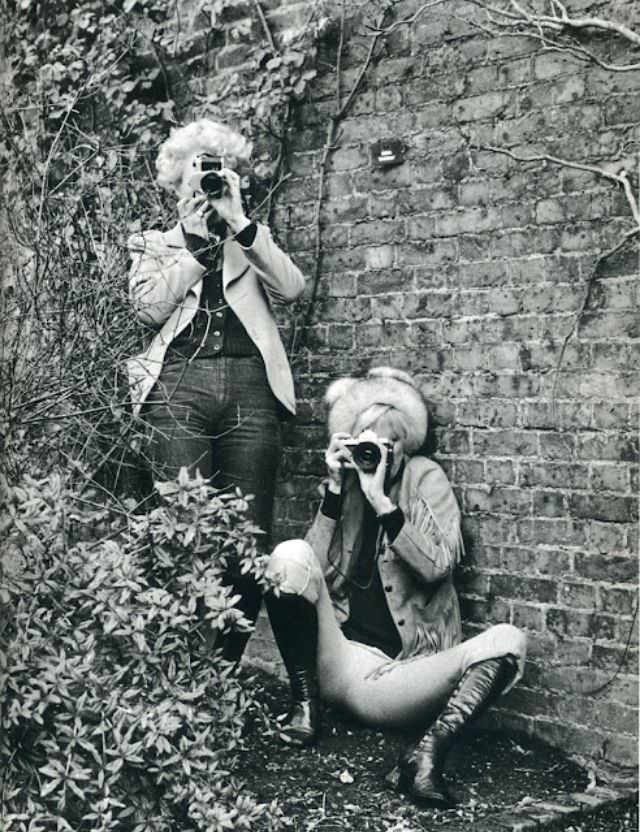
(366,453)
(205,178)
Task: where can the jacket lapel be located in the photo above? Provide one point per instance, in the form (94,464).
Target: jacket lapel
(234,263)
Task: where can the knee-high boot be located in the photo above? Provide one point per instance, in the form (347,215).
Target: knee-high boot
(419,772)
(294,622)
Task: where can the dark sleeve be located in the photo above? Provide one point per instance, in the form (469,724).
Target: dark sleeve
(392,523)
(247,236)
(331,504)
(196,246)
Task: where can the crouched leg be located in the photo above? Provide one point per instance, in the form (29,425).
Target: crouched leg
(291,605)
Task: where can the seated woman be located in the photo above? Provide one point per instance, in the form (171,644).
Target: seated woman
(364,610)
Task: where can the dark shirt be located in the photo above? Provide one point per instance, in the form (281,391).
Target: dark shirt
(369,621)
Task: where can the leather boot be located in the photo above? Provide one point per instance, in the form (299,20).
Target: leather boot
(419,773)
(294,622)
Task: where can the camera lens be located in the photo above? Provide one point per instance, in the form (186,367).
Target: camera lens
(212,185)
(367,456)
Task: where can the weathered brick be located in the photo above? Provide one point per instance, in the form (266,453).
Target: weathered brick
(468,471)
(618,600)
(554,475)
(350,209)
(549,504)
(622,109)
(617,659)
(573,623)
(606,477)
(504,443)
(500,471)
(604,507)
(609,568)
(527,617)
(546,531)
(559,414)
(534,560)
(612,447)
(528,589)
(573,594)
(378,231)
(428,252)
(557,445)
(453,441)
(606,538)
(573,651)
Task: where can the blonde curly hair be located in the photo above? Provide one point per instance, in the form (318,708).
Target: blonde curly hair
(200,136)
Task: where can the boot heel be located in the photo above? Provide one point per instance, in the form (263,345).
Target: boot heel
(294,622)
(299,727)
(478,688)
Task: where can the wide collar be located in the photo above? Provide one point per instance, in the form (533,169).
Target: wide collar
(234,262)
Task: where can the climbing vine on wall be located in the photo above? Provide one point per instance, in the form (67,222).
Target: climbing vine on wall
(89,93)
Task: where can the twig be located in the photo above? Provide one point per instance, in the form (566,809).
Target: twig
(299,332)
(407,21)
(584,304)
(265,27)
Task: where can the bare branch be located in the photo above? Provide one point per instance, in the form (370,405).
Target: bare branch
(585,302)
(265,27)
(407,21)
(620,178)
(556,31)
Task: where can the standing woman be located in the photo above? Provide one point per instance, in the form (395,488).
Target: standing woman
(214,382)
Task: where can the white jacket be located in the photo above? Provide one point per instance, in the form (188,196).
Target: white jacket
(165,283)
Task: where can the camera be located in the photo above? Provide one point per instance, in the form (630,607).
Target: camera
(366,453)
(205,178)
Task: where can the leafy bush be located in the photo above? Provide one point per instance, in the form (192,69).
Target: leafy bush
(115,712)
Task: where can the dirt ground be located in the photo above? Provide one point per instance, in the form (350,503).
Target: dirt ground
(339,785)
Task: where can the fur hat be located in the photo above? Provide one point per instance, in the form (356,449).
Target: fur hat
(348,398)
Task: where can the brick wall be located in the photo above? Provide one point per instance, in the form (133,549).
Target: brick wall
(467,269)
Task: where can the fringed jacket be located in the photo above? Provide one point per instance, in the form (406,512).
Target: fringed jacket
(415,569)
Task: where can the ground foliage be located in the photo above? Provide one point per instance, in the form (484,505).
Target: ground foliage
(116,713)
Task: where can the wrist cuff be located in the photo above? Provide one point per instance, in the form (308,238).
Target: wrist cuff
(392,522)
(331,504)
(197,247)
(247,236)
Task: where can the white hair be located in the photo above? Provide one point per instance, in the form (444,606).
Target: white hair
(198,137)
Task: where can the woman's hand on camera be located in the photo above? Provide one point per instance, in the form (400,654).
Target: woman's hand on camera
(193,213)
(337,457)
(372,484)
(229,207)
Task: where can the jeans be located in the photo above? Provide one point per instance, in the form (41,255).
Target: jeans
(219,416)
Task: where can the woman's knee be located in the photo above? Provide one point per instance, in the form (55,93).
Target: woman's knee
(294,568)
(511,640)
